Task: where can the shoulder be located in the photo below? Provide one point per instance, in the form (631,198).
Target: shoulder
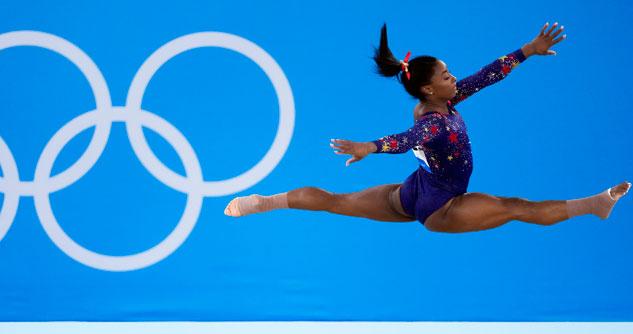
(432,116)
(431,119)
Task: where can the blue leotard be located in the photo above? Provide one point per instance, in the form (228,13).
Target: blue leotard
(441,145)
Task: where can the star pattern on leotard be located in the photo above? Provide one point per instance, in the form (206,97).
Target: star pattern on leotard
(452,137)
(385,147)
(487,75)
(393,144)
(441,140)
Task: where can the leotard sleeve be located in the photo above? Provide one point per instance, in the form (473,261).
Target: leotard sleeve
(488,75)
(427,130)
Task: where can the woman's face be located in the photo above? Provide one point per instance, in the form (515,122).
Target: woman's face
(443,83)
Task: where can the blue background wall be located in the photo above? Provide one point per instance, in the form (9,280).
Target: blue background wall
(558,127)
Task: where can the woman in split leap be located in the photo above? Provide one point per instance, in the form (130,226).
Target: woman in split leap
(436,193)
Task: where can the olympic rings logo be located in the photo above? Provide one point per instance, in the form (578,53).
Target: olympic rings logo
(135,118)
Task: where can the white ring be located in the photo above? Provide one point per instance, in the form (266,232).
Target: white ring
(97,84)
(234,43)
(108,262)
(192,184)
(7,187)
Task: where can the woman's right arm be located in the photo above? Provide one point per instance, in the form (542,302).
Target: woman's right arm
(425,130)
(428,129)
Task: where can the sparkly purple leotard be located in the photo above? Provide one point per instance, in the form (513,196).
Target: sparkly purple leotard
(441,145)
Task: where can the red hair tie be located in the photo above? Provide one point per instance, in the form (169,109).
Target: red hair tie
(404,64)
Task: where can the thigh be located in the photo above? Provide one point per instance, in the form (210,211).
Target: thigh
(470,212)
(380,203)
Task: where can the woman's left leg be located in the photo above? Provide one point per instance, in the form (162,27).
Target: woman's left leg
(381,203)
(476,211)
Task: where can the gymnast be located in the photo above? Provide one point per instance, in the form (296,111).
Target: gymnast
(436,193)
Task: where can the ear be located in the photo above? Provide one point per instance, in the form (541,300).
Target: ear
(426,90)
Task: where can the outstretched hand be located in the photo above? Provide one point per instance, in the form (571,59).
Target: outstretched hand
(547,38)
(357,150)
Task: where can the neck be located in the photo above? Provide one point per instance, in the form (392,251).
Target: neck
(438,105)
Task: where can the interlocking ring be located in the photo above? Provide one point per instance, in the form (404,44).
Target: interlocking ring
(135,118)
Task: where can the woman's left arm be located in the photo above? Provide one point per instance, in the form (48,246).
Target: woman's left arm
(501,67)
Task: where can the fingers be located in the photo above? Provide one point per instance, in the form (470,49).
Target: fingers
(549,37)
(559,39)
(337,146)
(350,161)
(558,31)
(551,29)
(543,29)
(552,33)
(341,146)
(340,142)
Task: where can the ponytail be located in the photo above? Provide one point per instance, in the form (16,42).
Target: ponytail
(386,64)
(419,69)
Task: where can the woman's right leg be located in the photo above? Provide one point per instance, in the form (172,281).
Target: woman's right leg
(380,203)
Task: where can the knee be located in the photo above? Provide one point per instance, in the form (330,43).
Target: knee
(512,202)
(524,210)
(316,197)
(315,193)
(514,206)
